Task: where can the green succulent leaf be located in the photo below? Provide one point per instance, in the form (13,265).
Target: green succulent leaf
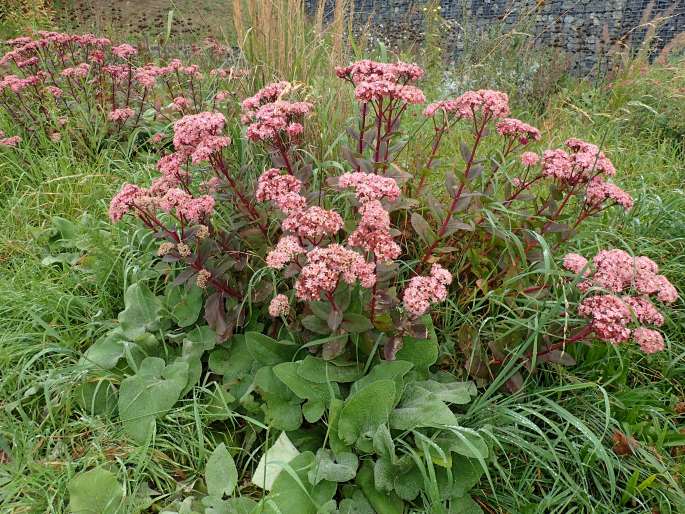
(221,474)
(142,312)
(149,394)
(95,492)
(366,410)
(184,304)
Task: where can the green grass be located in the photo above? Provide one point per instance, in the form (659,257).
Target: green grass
(552,441)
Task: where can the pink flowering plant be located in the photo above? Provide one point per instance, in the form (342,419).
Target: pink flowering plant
(322,290)
(85,84)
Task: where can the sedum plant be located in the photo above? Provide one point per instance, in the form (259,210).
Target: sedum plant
(321,286)
(81,84)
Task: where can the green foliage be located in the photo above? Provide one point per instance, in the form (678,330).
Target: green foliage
(95,492)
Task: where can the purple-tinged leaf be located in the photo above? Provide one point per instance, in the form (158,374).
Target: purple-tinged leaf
(391,348)
(557,357)
(335,317)
(422,228)
(465,151)
(184,276)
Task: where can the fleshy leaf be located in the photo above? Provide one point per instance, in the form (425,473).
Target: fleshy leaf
(95,492)
(221,474)
(149,394)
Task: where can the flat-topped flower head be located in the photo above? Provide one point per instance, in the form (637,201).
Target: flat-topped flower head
(287,248)
(313,223)
(486,102)
(424,291)
(650,341)
(598,192)
(198,135)
(575,263)
(371,71)
(123,201)
(373,232)
(370,187)
(279,306)
(124,51)
(272,184)
(523,132)
(325,267)
(121,115)
(279,117)
(609,317)
(529,159)
(379,89)
(268,94)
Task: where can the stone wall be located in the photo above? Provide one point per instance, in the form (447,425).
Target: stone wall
(582,29)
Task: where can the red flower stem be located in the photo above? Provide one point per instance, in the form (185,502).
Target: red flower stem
(246,203)
(284,153)
(372,305)
(379,125)
(362,129)
(439,132)
(457,195)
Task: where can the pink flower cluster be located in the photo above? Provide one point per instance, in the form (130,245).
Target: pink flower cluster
(78,71)
(121,114)
(372,71)
(523,132)
(370,187)
(379,89)
(17,84)
(287,248)
(529,159)
(373,232)
(599,191)
(313,223)
(283,190)
(584,162)
(374,81)
(611,315)
(277,118)
(197,136)
(124,51)
(279,306)
(489,103)
(327,266)
(422,291)
(25,48)
(9,141)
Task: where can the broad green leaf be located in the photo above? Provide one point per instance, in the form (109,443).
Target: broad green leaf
(268,351)
(282,406)
(366,410)
(449,392)
(221,474)
(356,323)
(233,360)
(97,397)
(466,473)
(149,394)
(316,324)
(107,351)
(394,370)
(184,304)
(321,371)
(420,408)
(272,462)
(423,353)
(339,468)
(356,504)
(312,410)
(464,505)
(95,492)
(334,440)
(142,312)
(382,503)
(215,505)
(288,373)
(293,494)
